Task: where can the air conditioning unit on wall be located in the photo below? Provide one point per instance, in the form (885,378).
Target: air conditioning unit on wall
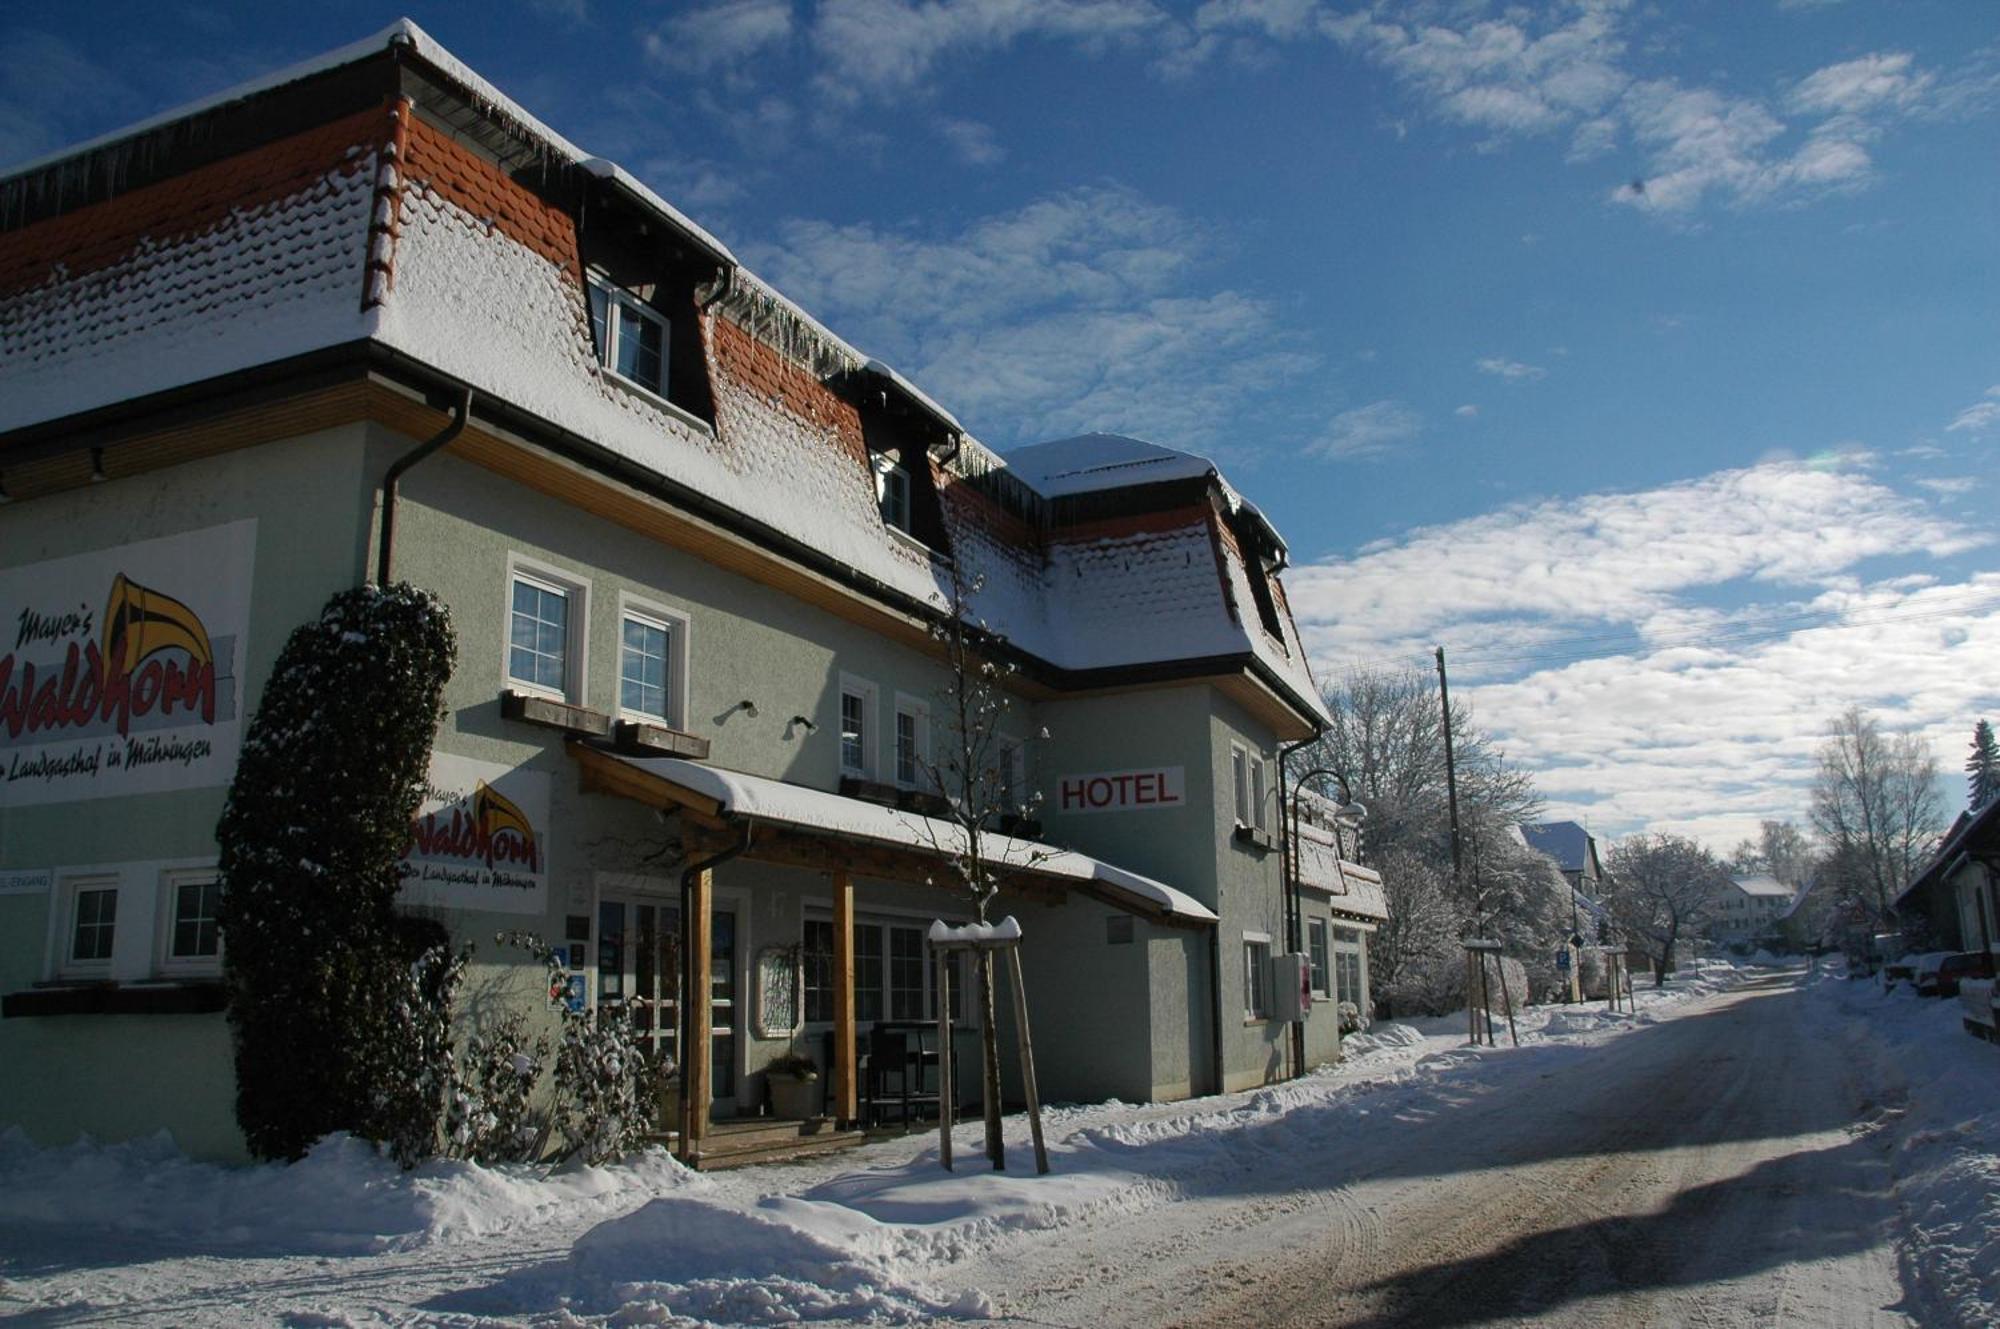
(1291,980)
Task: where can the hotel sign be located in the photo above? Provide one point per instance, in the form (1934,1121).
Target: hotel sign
(480,840)
(1145,790)
(122,669)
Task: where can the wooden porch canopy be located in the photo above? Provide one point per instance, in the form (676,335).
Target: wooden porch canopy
(1352,892)
(812,828)
(728,814)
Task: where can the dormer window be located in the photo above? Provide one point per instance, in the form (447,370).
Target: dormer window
(631,338)
(892,492)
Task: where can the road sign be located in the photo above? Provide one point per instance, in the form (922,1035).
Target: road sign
(1562,959)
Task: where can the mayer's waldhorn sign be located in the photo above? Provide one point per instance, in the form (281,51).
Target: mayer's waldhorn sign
(122,667)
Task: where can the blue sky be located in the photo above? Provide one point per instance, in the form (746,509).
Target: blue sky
(1644,355)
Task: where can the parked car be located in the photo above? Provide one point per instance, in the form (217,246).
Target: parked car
(1902,969)
(1939,973)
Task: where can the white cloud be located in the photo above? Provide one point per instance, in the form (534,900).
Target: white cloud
(1587,640)
(882,48)
(975,143)
(720,35)
(1512,370)
(1367,431)
(1884,79)
(1083,310)
(1466,412)
(1978,417)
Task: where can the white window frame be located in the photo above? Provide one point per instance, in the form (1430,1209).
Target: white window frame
(1257,791)
(886,467)
(881,919)
(920,712)
(577,638)
(1239,769)
(677,625)
(607,350)
(1318,927)
(871,704)
(1011,775)
(1256,985)
(164,913)
(71,892)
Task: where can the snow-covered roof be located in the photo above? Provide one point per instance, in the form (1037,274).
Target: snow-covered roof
(1762,883)
(1565,841)
(762,799)
(492,301)
(1349,887)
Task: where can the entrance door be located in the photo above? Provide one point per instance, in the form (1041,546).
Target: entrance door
(722,1006)
(639,967)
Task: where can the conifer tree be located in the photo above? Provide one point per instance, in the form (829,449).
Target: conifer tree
(1982,769)
(334,998)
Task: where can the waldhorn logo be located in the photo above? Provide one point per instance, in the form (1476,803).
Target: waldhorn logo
(152,656)
(493,831)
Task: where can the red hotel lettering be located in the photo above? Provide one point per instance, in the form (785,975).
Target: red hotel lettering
(82,692)
(1130,789)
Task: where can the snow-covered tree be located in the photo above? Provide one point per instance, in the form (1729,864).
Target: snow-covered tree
(1982,768)
(334,998)
(1415,952)
(1875,804)
(1659,889)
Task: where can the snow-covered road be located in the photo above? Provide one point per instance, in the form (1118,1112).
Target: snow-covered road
(1750,1148)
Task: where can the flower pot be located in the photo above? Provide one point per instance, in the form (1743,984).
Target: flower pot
(794,1097)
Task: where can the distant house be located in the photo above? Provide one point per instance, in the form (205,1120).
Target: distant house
(1956,890)
(1748,910)
(1574,852)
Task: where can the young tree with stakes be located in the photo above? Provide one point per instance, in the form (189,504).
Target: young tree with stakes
(975,772)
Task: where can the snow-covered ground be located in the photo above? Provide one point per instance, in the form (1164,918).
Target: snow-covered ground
(136,1234)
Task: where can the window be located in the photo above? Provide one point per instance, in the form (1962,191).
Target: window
(631,338)
(1257,978)
(1257,792)
(1239,769)
(89,925)
(193,938)
(1347,966)
(912,742)
(892,492)
(1009,777)
(545,627)
(818,950)
(857,742)
(1316,944)
(652,663)
(867,972)
(906,974)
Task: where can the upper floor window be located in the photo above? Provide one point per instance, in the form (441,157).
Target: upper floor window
(892,491)
(912,742)
(857,747)
(1246,771)
(652,662)
(631,338)
(545,633)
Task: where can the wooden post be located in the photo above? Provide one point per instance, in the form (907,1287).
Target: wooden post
(846,1092)
(1027,1060)
(1507,1001)
(1471,1004)
(697,1061)
(947,1094)
(1486,1002)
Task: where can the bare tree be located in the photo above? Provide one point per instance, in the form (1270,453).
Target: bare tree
(1780,849)
(1875,802)
(1662,887)
(1422,930)
(980,771)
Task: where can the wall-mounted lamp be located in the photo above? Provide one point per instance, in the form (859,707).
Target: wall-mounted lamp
(97,466)
(748,707)
(803,723)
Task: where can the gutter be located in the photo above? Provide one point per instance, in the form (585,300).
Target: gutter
(1289,881)
(461,413)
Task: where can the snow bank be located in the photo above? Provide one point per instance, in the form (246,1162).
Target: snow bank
(343,1198)
(1946,1161)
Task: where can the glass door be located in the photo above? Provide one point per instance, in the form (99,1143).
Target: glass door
(639,968)
(722,1005)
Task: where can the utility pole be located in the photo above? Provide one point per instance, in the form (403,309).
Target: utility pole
(1450,767)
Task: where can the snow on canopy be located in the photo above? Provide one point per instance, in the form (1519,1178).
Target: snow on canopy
(759,798)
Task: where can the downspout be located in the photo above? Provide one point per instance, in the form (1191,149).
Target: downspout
(684,1032)
(1289,876)
(1215,995)
(723,286)
(461,413)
